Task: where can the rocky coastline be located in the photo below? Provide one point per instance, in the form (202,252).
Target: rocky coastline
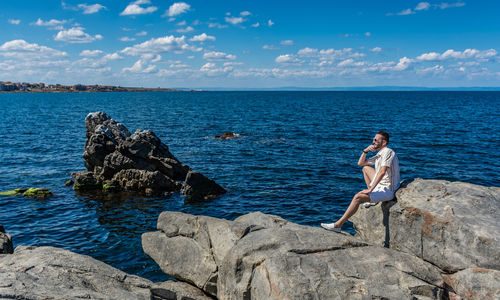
(436,240)
(118,161)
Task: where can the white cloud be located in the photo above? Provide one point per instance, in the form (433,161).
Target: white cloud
(140,67)
(286,43)
(23,50)
(202,38)
(245,13)
(423,6)
(270,23)
(234,20)
(329,54)
(218,56)
(90,53)
(376,49)
(177,9)
(76,35)
(431,70)
(113,56)
(255,25)
(182,23)
(185,30)
(368,33)
(449,5)
(51,23)
(134,8)
(403,64)
(405,12)
(127,39)
(208,66)
(91,9)
(162,44)
(216,25)
(287,59)
(142,33)
(270,47)
(14,21)
(452,54)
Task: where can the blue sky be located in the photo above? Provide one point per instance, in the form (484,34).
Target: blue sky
(251,44)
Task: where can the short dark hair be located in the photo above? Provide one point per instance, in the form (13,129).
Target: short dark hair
(385,135)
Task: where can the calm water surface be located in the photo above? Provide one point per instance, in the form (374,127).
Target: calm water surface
(296,157)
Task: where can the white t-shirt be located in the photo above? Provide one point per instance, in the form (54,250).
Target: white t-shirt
(388,158)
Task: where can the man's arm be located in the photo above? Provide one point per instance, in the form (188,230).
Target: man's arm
(377,179)
(362,159)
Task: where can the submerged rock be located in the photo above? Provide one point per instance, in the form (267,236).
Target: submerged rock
(227,136)
(53,273)
(453,225)
(138,162)
(39,193)
(261,256)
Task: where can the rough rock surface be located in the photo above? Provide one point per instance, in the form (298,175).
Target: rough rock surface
(475,283)
(6,246)
(197,186)
(52,273)
(138,162)
(453,225)
(260,256)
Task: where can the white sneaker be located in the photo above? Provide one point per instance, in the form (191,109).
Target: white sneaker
(368,204)
(330,226)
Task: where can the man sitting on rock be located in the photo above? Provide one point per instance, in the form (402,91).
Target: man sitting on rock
(381,182)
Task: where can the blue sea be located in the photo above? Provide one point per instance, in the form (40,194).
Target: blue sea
(296,157)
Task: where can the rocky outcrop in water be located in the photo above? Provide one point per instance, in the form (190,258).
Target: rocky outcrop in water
(138,162)
(260,256)
(6,246)
(52,273)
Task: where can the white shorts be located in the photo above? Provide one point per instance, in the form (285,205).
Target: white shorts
(380,194)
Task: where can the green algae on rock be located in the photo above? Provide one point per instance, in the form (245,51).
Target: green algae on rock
(31,192)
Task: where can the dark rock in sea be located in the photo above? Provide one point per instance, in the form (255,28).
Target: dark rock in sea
(453,225)
(39,193)
(139,162)
(6,246)
(199,187)
(69,183)
(52,273)
(227,136)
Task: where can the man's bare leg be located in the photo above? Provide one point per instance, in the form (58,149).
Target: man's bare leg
(368,174)
(353,208)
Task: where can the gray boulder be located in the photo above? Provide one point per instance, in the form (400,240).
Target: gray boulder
(260,256)
(6,246)
(453,225)
(53,273)
(137,162)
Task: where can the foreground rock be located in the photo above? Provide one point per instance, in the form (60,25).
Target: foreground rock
(6,246)
(52,273)
(138,162)
(261,256)
(453,225)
